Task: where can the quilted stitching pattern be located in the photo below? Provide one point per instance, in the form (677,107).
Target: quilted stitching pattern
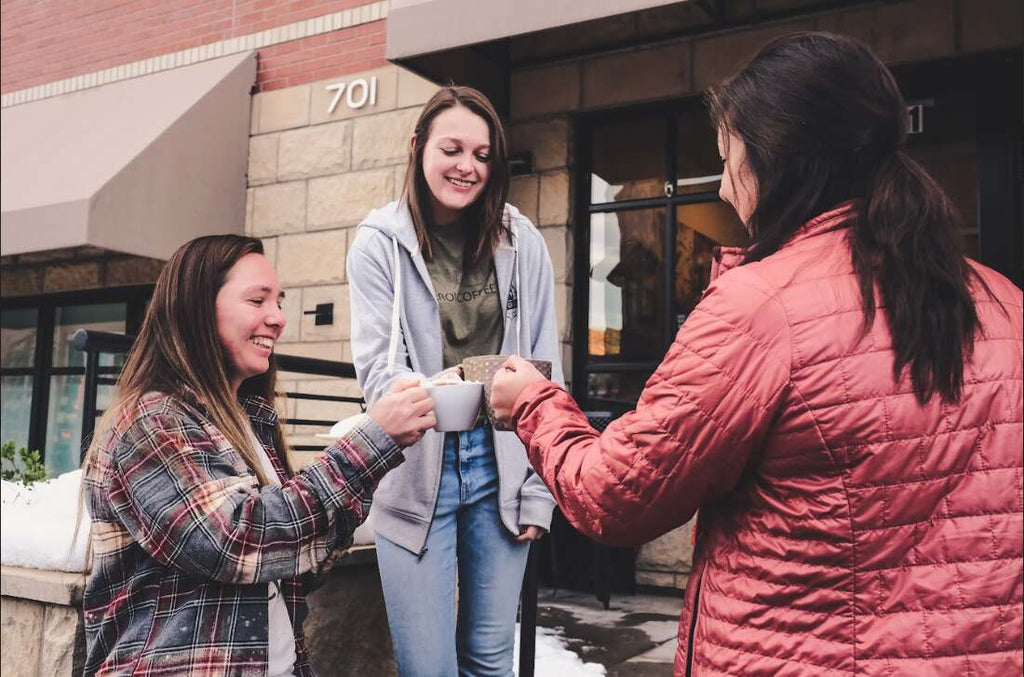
(844,528)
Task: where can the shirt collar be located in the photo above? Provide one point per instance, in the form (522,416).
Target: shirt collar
(259,409)
(727,258)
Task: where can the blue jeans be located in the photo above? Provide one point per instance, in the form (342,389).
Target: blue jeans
(466,533)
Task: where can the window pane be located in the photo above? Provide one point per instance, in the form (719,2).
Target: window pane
(18,337)
(626,284)
(621,388)
(105,396)
(16,407)
(698,165)
(699,229)
(64,420)
(628,160)
(97,317)
(64,424)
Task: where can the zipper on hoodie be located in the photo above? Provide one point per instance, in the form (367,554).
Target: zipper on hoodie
(399,298)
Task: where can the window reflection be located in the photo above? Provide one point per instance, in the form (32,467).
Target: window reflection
(626,289)
(622,388)
(699,229)
(94,317)
(18,337)
(628,160)
(15,405)
(698,165)
(64,421)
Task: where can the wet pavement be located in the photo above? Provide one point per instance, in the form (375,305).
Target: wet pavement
(635,636)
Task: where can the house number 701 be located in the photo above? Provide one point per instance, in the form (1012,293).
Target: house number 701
(357,93)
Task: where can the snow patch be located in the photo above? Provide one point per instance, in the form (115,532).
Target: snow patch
(37,524)
(554,659)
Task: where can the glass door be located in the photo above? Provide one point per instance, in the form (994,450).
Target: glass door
(649,194)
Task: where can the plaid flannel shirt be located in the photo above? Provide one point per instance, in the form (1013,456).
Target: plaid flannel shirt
(185,540)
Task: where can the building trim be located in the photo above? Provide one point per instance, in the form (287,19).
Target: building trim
(355,16)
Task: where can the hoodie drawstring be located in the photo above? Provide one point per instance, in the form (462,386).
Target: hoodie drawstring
(395,306)
(519,297)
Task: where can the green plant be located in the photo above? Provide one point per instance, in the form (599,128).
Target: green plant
(21,465)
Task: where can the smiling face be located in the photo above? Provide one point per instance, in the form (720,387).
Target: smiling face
(249,317)
(456,161)
(739,186)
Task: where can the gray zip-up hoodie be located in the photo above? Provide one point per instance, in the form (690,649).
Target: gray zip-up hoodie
(390,341)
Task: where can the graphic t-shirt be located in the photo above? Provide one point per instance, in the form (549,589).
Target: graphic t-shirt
(471,319)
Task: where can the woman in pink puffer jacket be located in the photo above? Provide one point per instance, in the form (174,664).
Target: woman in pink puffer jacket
(844,406)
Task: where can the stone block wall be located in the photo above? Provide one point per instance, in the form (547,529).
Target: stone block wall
(41,623)
(72,269)
(544,97)
(314,174)
(44,635)
(544,196)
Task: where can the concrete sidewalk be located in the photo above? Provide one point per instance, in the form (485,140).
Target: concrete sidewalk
(636,636)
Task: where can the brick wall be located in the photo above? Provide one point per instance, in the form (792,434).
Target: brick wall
(323,56)
(43,41)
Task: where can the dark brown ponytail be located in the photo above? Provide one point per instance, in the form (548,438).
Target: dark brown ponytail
(906,241)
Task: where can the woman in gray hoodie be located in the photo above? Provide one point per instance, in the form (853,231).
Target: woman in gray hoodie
(449,272)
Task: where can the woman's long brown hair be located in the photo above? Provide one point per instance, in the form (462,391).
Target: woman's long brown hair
(178,351)
(488,211)
(823,123)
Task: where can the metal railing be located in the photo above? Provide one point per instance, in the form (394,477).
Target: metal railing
(95,343)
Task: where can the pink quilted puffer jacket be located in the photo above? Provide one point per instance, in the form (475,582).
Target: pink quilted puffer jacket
(844,528)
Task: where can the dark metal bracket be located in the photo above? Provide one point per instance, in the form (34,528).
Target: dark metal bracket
(324,313)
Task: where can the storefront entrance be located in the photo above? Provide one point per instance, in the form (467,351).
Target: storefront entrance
(650,219)
(649,215)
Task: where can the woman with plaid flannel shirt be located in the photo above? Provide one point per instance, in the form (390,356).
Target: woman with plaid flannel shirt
(204,538)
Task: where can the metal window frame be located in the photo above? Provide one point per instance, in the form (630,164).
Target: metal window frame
(583,364)
(42,370)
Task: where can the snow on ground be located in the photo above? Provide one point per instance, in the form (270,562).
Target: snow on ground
(37,524)
(553,659)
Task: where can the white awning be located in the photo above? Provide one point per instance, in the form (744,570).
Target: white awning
(139,166)
(418,27)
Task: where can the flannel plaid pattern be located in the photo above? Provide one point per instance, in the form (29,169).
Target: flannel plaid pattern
(184,540)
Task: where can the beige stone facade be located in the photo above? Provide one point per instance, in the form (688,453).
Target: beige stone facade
(314,174)
(41,621)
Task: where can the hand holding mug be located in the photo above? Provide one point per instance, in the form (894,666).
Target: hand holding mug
(515,374)
(405,412)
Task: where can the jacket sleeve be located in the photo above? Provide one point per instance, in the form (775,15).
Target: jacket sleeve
(371,297)
(186,504)
(701,418)
(536,503)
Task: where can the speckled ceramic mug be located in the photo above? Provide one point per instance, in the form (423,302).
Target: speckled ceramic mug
(482,368)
